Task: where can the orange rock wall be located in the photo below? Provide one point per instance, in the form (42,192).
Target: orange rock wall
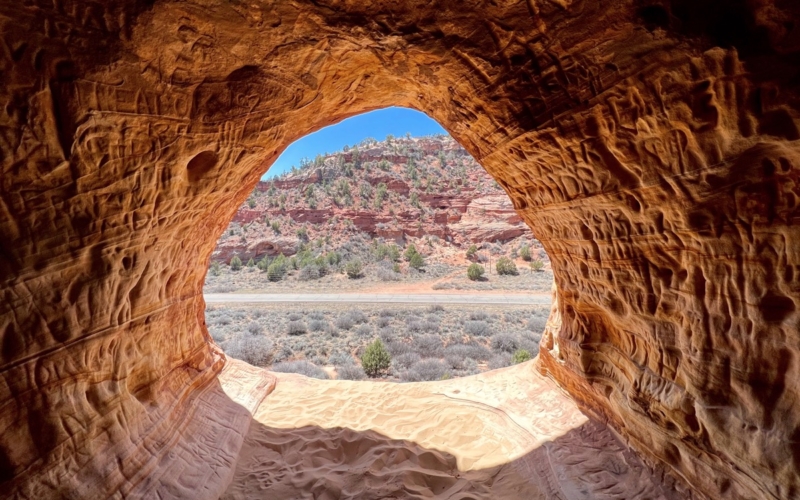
(659,172)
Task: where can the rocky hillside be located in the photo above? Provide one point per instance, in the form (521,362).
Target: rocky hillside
(399,189)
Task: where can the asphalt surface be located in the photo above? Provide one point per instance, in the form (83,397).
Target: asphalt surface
(380,298)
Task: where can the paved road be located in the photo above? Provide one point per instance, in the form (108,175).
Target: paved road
(380,298)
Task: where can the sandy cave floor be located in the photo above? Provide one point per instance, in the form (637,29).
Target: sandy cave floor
(504,434)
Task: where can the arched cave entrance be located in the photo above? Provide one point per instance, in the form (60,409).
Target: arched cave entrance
(404,239)
(654,146)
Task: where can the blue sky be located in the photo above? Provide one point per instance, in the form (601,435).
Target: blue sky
(376,124)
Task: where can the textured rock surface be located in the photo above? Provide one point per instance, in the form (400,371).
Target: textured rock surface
(660,173)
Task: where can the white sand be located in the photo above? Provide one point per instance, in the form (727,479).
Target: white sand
(506,434)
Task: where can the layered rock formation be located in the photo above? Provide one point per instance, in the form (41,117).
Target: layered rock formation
(651,145)
(432,188)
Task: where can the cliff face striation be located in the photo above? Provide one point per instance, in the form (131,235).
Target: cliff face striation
(394,189)
(653,145)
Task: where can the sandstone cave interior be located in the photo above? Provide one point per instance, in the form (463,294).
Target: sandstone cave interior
(653,144)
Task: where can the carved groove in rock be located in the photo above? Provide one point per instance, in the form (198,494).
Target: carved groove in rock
(652,146)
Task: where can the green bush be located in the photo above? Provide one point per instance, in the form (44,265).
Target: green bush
(506,266)
(520,356)
(236,263)
(251,202)
(215,268)
(394,253)
(376,359)
(278,268)
(525,252)
(276,272)
(276,227)
(471,251)
(251,263)
(410,251)
(537,265)
(475,272)
(353,269)
(417,261)
(333,258)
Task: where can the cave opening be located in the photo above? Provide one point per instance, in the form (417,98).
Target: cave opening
(397,239)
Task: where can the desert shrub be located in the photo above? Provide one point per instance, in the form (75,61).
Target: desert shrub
(394,253)
(428,345)
(276,271)
(426,370)
(414,325)
(339,358)
(478,316)
(505,342)
(471,367)
(217,335)
(316,325)
(405,360)
(431,325)
(254,328)
(316,315)
(357,316)
(353,269)
(382,321)
(455,360)
(282,354)
(215,269)
(416,261)
(475,272)
(295,316)
(333,258)
(506,266)
(343,322)
(520,356)
(251,263)
(398,347)
(537,265)
(364,331)
(222,319)
(525,252)
(537,324)
(376,359)
(411,250)
(309,272)
(386,334)
(296,328)
(471,251)
(302,367)
(530,343)
(386,313)
(387,274)
(435,308)
(236,263)
(477,328)
(350,372)
(471,351)
(500,361)
(256,350)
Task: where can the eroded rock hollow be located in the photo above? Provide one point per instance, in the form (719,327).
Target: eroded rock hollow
(652,146)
